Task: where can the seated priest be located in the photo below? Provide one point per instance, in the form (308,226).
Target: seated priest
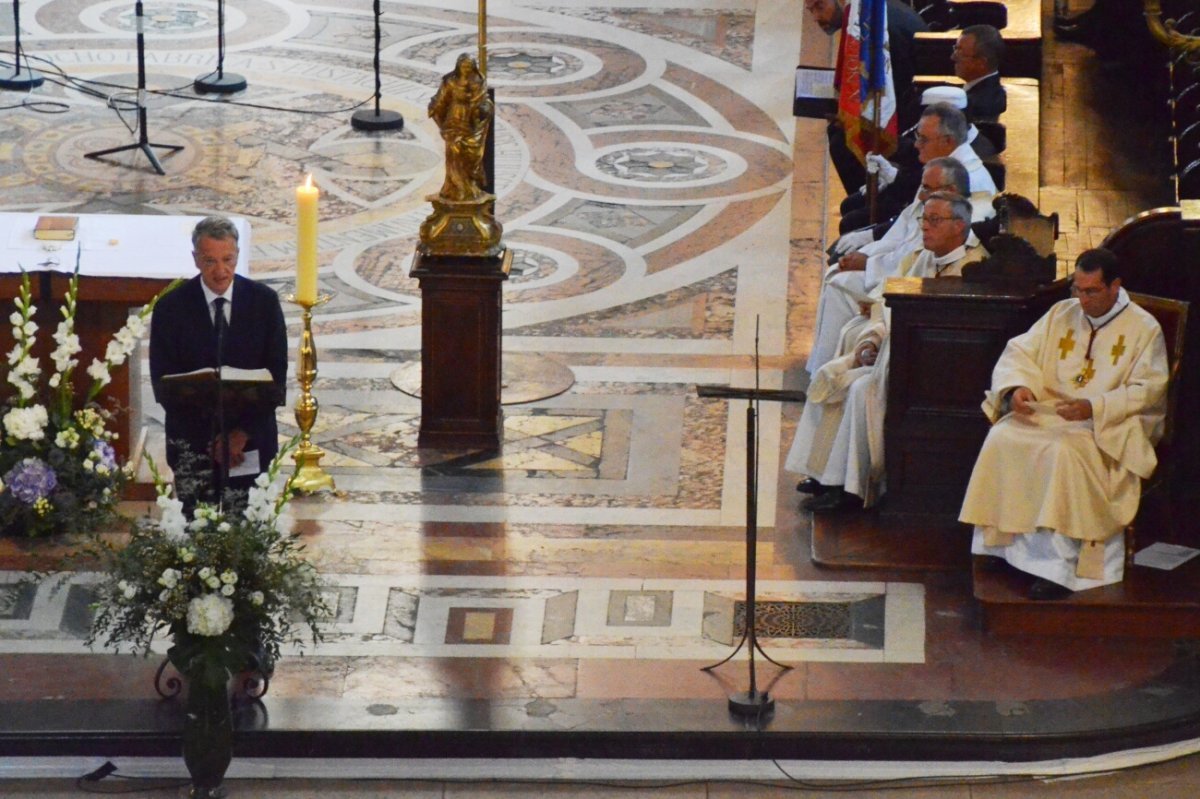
(217,317)
(839,439)
(1078,404)
(858,272)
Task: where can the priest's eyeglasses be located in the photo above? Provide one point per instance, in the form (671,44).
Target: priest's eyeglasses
(1088,292)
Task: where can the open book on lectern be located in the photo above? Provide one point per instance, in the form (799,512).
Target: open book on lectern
(239,387)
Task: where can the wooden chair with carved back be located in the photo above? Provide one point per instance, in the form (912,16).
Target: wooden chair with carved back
(1172,318)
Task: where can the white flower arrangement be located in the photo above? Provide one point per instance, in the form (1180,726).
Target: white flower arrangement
(58,467)
(221,583)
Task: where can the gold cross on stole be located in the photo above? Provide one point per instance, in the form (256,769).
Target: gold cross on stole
(1066,344)
(1085,374)
(1118,349)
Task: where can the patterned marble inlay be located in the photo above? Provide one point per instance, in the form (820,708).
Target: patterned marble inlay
(553,618)
(660,165)
(524,64)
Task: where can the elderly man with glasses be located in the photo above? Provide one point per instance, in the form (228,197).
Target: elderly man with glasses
(839,439)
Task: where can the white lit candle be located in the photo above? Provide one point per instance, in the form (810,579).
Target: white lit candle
(306,242)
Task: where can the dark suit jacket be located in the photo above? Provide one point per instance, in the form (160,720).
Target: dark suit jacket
(987,100)
(903,26)
(183,338)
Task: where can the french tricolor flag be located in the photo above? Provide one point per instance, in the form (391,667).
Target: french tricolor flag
(865,71)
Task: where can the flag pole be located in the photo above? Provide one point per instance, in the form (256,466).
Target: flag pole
(873,177)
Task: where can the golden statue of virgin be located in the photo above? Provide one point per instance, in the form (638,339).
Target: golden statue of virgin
(462,222)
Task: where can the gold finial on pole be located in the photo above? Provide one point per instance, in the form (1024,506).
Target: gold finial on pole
(483,38)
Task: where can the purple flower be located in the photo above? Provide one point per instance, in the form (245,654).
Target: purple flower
(30,480)
(108,455)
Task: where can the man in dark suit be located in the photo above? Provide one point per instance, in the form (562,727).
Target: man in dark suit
(903,25)
(185,335)
(977,55)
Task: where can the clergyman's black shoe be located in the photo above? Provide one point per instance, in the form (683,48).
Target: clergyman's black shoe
(1044,590)
(810,486)
(833,500)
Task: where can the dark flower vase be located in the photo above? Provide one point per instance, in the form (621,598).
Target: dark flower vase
(207,736)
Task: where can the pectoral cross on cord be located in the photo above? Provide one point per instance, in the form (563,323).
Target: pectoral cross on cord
(1088,372)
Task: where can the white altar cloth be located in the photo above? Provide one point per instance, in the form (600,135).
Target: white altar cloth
(112,245)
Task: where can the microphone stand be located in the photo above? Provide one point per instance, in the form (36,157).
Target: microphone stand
(223,431)
(375,119)
(14,78)
(219,82)
(143,143)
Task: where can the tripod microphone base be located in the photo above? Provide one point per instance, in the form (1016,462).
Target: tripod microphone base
(370,119)
(223,83)
(20,81)
(751,703)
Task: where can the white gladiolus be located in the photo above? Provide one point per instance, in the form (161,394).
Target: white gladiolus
(209,615)
(172,521)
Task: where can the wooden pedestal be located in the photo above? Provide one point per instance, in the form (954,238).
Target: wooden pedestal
(460,350)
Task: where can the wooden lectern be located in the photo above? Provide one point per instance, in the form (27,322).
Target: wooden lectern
(460,349)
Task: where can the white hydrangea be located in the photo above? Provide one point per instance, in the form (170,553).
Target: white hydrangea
(27,424)
(209,615)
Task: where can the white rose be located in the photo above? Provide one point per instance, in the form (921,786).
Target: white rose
(229,577)
(213,582)
(257,598)
(205,573)
(227,590)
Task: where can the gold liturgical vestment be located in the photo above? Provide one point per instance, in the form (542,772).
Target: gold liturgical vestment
(1079,479)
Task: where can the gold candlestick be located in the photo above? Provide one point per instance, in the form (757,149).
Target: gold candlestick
(310,477)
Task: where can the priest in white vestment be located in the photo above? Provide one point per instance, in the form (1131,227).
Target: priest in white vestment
(1078,404)
(940,134)
(839,439)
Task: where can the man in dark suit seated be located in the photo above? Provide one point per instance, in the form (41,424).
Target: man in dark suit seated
(977,55)
(186,334)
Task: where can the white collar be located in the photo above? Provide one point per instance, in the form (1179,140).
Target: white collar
(1118,306)
(210,295)
(971,85)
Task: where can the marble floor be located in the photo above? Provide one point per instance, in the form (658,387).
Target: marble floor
(666,213)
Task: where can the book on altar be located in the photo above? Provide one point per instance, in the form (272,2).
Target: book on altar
(229,374)
(55,228)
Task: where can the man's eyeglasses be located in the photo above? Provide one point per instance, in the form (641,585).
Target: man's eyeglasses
(937,220)
(1088,292)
